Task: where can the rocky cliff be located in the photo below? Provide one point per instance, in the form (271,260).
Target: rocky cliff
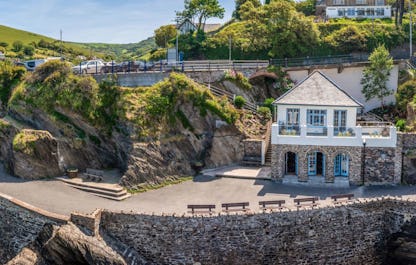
(152,134)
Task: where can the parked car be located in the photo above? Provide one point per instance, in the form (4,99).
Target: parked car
(88,67)
(32,64)
(110,67)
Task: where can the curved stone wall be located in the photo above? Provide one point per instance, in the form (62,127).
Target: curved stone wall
(353,234)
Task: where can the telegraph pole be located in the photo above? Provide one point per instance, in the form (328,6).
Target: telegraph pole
(60,33)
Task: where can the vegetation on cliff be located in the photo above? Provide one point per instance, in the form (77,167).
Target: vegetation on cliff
(53,87)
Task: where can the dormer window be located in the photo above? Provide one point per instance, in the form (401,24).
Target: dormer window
(338,2)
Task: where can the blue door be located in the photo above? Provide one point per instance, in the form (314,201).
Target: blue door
(341,165)
(316,164)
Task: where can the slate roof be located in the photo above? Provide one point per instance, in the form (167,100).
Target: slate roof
(317,90)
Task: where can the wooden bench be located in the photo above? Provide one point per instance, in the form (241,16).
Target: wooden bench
(235,207)
(304,202)
(201,208)
(94,174)
(251,160)
(270,205)
(339,198)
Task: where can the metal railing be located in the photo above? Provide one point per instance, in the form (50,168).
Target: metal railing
(319,60)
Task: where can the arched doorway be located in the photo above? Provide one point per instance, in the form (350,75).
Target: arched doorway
(316,164)
(291,163)
(341,165)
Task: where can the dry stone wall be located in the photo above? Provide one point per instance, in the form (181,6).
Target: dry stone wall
(18,228)
(354,234)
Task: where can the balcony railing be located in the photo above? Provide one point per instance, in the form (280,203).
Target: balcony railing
(344,132)
(289,130)
(373,136)
(316,130)
(375,132)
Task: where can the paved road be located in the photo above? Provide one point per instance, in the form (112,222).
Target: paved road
(56,197)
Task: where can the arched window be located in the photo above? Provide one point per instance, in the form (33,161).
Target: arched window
(341,165)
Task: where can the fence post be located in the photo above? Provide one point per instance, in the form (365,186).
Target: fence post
(145,66)
(160,65)
(285,62)
(183,66)
(80,69)
(112,66)
(96,67)
(128,66)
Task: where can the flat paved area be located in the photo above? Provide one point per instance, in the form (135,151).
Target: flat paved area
(57,197)
(240,171)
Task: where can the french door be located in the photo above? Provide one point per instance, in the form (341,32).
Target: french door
(341,165)
(316,164)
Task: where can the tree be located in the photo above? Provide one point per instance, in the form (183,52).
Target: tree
(279,28)
(17,46)
(29,50)
(200,10)
(405,94)
(347,39)
(239,3)
(164,34)
(377,74)
(307,7)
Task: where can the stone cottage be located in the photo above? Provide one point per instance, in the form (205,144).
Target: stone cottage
(320,136)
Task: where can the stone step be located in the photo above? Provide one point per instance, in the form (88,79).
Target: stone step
(115,196)
(110,188)
(99,191)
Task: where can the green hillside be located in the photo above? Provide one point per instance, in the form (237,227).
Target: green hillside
(39,46)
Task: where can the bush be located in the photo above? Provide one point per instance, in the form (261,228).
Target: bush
(10,76)
(239,101)
(405,94)
(268,102)
(265,113)
(238,78)
(401,125)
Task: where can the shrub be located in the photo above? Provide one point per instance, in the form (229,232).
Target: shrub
(10,76)
(239,101)
(401,125)
(268,102)
(265,113)
(405,94)
(238,78)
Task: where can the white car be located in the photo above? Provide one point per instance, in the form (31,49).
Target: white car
(88,67)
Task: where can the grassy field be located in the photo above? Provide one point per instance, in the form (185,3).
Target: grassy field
(119,52)
(10,35)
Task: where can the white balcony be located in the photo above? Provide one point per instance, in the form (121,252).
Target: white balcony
(373,136)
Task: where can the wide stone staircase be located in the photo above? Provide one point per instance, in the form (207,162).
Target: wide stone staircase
(105,190)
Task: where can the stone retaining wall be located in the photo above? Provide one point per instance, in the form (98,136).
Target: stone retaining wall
(18,228)
(354,234)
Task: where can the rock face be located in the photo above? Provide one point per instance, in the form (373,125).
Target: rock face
(66,245)
(35,155)
(402,246)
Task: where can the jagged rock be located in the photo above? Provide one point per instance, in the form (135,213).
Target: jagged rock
(401,248)
(68,245)
(35,155)
(27,257)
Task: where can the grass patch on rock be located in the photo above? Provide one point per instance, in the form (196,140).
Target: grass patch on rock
(148,187)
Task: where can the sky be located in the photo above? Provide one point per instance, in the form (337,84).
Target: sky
(107,21)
